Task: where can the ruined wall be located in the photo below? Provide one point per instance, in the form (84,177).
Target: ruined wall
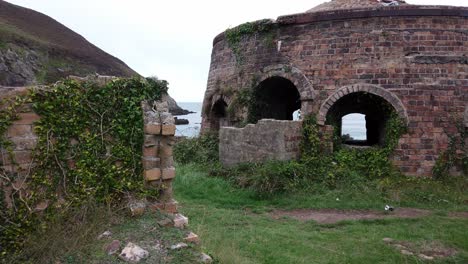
(17,160)
(158,163)
(267,140)
(415,54)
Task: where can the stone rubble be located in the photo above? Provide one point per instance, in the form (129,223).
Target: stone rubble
(179,246)
(133,253)
(180,221)
(204,258)
(113,247)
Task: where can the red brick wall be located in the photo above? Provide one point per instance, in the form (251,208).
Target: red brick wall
(419,59)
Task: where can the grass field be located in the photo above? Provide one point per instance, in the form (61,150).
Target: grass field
(236,227)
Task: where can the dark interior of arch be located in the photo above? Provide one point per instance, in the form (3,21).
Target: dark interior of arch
(276,98)
(219,109)
(217,114)
(376,109)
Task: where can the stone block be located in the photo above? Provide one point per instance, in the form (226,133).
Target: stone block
(167,162)
(24,143)
(152,175)
(166,151)
(19,131)
(168,130)
(150,140)
(180,221)
(168,173)
(150,151)
(19,157)
(171,207)
(26,119)
(151,163)
(192,238)
(152,129)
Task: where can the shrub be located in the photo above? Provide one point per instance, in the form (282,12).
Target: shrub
(89,146)
(202,150)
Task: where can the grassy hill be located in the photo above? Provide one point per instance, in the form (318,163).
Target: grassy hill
(35,49)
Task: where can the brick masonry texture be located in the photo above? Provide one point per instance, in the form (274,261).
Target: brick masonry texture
(412,56)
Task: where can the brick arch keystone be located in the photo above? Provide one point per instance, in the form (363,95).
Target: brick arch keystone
(369,88)
(293,74)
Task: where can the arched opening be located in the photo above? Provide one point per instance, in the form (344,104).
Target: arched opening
(218,114)
(376,112)
(275,98)
(353,129)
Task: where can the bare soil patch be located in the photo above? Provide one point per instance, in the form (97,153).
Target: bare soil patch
(330,216)
(426,250)
(458,214)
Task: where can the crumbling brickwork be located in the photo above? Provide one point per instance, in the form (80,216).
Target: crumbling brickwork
(414,57)
(158,162)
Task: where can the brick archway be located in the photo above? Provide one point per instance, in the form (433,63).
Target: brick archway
(293,74)
(372,89)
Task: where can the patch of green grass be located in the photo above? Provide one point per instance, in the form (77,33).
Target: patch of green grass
(235,226)
(72,238)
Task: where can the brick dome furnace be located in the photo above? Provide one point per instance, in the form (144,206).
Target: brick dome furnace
(338,58)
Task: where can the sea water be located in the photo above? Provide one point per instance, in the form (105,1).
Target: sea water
(353,124)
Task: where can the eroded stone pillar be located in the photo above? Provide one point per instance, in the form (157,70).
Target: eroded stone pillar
(158,162)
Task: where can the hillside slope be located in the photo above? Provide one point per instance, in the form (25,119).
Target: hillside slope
(35,49)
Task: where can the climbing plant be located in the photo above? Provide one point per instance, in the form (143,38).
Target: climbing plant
(454,155)
(89,147)
(235,35)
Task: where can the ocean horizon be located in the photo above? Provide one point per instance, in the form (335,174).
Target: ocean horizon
(353,124)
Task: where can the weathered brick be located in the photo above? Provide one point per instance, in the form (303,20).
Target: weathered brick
(150,151)
(26,119)
(168,130)
(152,175)
(168,173)
(151,163)
(152,129)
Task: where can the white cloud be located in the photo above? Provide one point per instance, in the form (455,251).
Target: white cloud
(169,39)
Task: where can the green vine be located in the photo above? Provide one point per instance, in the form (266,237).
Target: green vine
(89,147)
(455,155)
(235,35)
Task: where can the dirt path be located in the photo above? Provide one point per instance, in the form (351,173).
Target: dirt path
(330,216)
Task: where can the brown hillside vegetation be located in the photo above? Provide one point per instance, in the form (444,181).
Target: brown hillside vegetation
(35,48)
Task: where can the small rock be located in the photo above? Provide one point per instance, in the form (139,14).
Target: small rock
(204,258)
(425,257)
(406,252)
(179,246)
(133,253)
(113,247)
(180,221)
(388,240)
(106,234)
(400,246)
(137,208)
(192,238)
(165,222)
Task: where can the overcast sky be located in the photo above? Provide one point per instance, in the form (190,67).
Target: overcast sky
(171,39)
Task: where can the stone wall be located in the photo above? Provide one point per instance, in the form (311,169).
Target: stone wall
(157,157)
(414,57)
(267,140)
